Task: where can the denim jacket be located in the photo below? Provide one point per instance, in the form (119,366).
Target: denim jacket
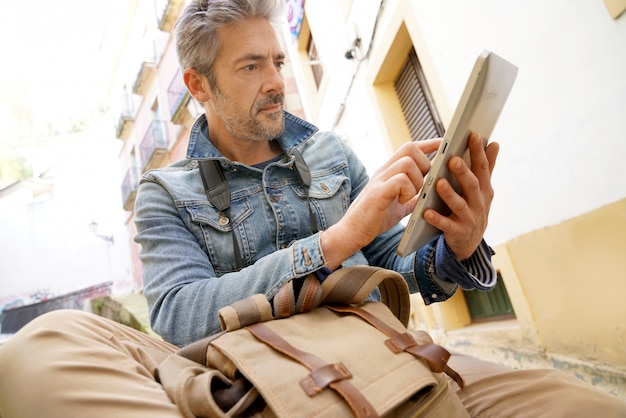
(190,269)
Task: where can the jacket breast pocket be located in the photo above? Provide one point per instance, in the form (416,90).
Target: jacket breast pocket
(214,232)
(330,197)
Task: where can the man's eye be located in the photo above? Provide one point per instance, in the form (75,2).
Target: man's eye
(280,65)
(250,67)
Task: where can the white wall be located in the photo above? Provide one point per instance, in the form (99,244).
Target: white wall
(562,133)
(46,242)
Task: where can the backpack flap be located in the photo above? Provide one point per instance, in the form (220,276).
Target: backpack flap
(379,376)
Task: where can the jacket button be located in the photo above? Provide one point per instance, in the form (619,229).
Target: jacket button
(223,220)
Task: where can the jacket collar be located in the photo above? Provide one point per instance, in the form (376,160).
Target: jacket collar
(296,131)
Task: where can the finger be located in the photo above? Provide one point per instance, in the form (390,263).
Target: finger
(435,219)
(404,169)
(478,158)
(476,184)
(421,150)
(492,151)
(483,159)
(413,151)
(455,202)
(403,188)
(467,179)
(444,223)
(428,145)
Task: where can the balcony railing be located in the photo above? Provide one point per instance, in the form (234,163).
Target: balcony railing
(178,97)
(129,188)
(153,145)
(127,116)
(147,70)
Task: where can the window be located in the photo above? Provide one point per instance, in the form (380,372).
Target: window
(314,61)
(416,101)
(308,64)
(490,306)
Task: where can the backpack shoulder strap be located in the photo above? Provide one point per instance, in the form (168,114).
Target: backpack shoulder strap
(218,193)
(350,285)
(215,185)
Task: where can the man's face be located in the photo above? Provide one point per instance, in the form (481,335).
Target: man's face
(249,91)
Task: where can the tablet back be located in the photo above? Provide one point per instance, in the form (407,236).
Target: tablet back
(483,98)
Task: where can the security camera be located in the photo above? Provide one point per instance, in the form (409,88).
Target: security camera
(352,52)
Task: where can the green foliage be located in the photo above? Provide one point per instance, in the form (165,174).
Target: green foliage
(14,167)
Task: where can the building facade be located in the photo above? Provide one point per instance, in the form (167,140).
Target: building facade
(380,73)
(393,71)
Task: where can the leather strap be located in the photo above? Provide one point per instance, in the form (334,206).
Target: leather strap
(435,356)
(310,294)
(284,302)
(322,374)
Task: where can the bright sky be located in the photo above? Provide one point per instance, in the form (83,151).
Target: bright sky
(50,57)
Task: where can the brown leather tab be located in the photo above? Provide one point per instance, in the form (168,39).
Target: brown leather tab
(322,377)
(400,342)
(435,356)
(353,397)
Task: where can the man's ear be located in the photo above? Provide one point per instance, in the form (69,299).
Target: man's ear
(197,84)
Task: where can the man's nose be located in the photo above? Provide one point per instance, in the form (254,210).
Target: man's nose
(274,80)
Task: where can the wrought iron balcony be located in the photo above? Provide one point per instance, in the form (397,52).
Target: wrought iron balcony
(154,146)
(129,188)
(124,123)
(178,96)
(146,73)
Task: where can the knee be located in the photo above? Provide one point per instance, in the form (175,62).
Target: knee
(55,319)
(46,328)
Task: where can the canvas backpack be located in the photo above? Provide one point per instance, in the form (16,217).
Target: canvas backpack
(321,352)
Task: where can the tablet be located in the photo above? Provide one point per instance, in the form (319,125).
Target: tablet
(478,110)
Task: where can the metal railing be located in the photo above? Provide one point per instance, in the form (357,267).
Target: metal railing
(129,187)
(177,95)
(127,113)
(153,140)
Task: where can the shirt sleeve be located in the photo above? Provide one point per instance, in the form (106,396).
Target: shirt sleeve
(440,273)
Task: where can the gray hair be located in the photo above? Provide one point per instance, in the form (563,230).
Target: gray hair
(197,43)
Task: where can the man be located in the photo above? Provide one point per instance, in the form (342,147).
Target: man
(276,226)
(239,83)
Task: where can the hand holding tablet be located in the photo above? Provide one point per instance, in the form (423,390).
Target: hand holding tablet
(481,103)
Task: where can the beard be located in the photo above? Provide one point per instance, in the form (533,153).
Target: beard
(250,127)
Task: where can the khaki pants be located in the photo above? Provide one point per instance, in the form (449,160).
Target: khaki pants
(75,364)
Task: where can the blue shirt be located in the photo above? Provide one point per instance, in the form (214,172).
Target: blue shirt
(190,270)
